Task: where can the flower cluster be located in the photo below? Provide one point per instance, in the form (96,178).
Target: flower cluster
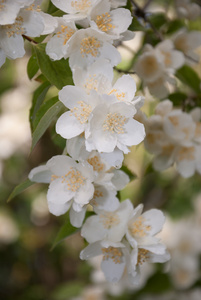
(21,18)
(174,136)
(157,65)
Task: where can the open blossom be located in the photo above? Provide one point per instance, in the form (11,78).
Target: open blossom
(112,125)
(76,9)
(58,44)
(174,137)
(29,23)
(188,42)
(107,225)
(70,183)
(187,9)
(88,45)
(113,22)
(9,10)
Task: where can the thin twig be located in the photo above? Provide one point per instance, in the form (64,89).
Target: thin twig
(124,71)
(29,39)
(147,4)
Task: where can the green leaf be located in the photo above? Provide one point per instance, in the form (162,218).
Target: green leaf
(177,98)
(65,231)
(47,112)
(136,26)
(129,173)
(189,77)
(175,26)
(32,66)
(57,72)
(158,20)
(37,100)
(20,188)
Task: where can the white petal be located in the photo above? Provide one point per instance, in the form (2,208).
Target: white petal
(154,218)
(50,23)
(77,218)
(32,22)
(113,271)
(68,126)
(58,209)
(12,46)
(40,174)
(120,179)
(60,164)
(90,251)
(58,193)
(85,193)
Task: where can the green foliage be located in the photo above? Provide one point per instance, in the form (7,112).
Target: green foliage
(174,26)
(57,72)
(32,66)
(38,97)
(71,289)
(177,98)
(158,20)
(189,77)
(136,25)
(20,188)
(129,173)
(44,117)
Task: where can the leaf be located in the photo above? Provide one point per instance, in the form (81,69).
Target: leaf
(188,76)
(38,97)
(175,26)
(32,66)
(47,112)
(129,173)
(177,98)
(65,231)
(158,20)
(57,72)
(20,188)
(136,25)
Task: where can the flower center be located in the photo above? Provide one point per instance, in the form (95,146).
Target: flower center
(112,253)
(34,7)
(81,112)
(114,122)
(174,120)
(81,5)
(119,95)
(97,194)
(138,228)
(2,4)
(104,22)
(96,163)
(186,153)
(73,179)
(16,28)
(142,256)
(167,57)
(65,33)
(91,83)
(90,45)
(109,219)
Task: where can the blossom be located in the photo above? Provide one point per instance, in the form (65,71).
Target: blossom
(27,23)
(187,9)
(107,225)
(9,10)
(113,22)
(58,44)
(70,183)
(143,227)
(112,125)
(75,121)
(188,42)
(88,45)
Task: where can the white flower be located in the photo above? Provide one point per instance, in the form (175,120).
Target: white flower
(187,42)
(9,10)
(112,125)
(76,9)
(113,22)
(75,121)
(88,45)
(27,23)
(77,150)
(187,9)
(143,227)
(115,258)
(172,59)
(58,44)
(108,225)
(117,3)
(70,183)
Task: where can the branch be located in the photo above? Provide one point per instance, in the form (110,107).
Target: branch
(124,71)
(29,39)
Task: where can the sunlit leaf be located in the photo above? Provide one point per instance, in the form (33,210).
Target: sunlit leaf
(32,66)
